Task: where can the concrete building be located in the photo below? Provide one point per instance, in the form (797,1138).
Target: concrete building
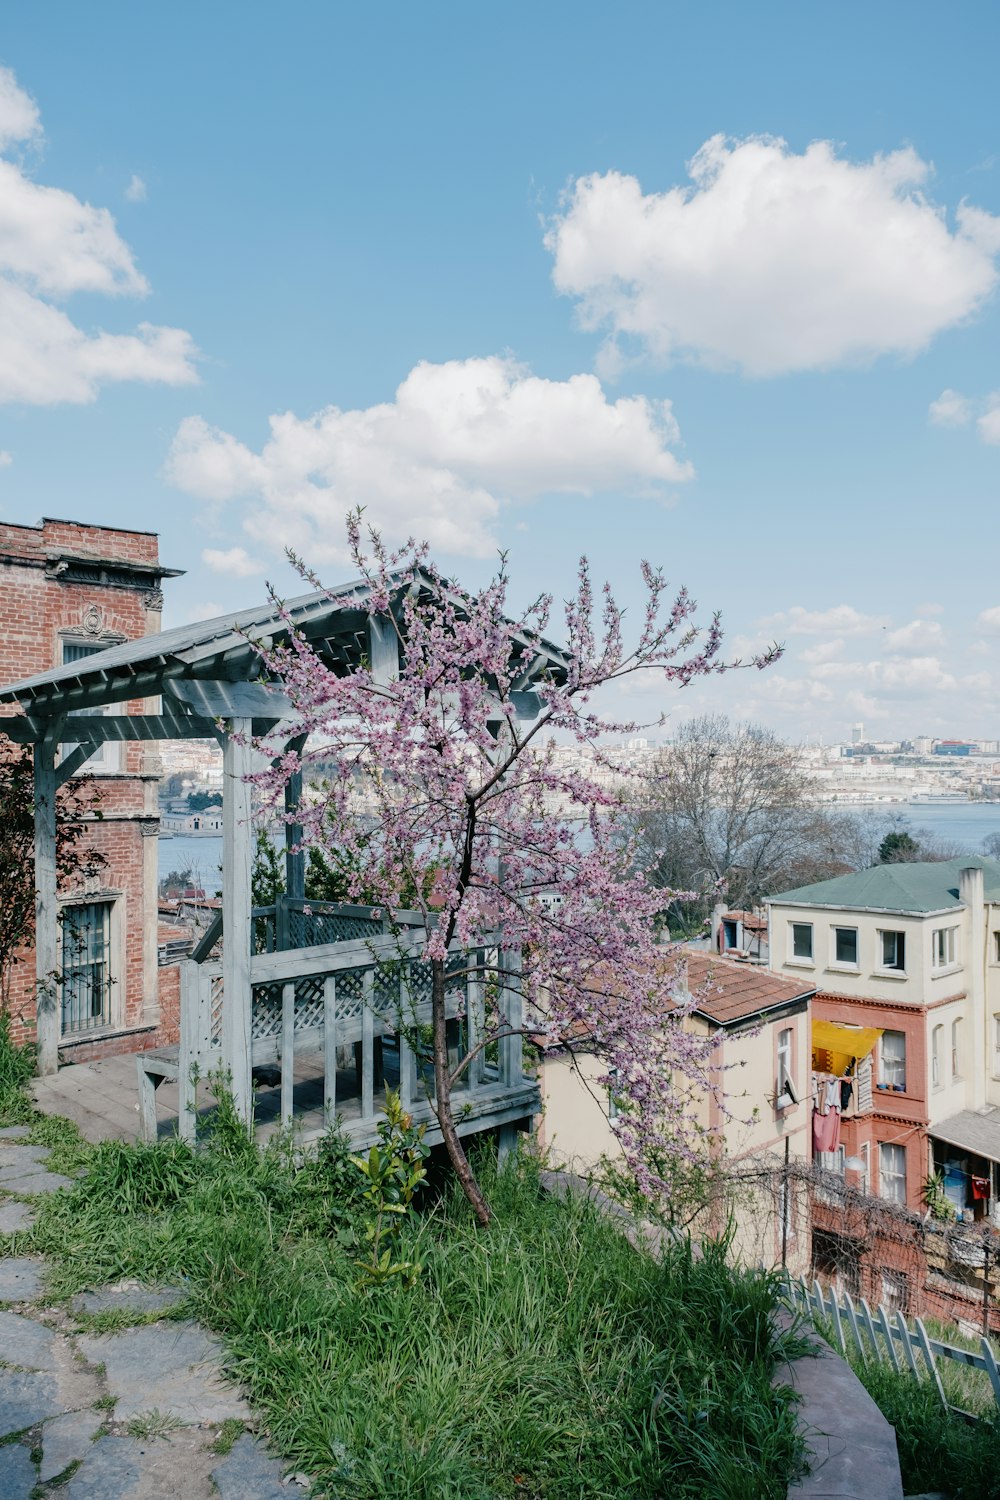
(906,963)
(67,592)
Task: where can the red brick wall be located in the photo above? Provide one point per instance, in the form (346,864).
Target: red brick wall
(38,611)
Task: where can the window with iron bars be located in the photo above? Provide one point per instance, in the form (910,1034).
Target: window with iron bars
(86,967)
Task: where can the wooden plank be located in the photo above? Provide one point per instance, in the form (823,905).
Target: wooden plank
(383,649)
(852,1320)
(368,1044)
(476,1018)
(287,1053)
(990,1365)
(925,1349)
(208,940)
(904,1337)
(834,1307)
(329,1051)
(187,1055)
(97,729)
(869,1327)
(47,957)
(237,907)
(71,763)
(511,1005)
(882,1323)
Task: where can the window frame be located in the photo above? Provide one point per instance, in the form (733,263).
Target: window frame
(937,1050)
(957,1033)
(888,1066)
(836,961)
(106,1018)
(801,958)
(898,963)
(944,939)
(892,1174)
(106,759)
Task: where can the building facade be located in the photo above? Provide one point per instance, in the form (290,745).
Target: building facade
(906,1021)
(67,591)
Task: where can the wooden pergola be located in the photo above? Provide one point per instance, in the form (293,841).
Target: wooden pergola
(206,682)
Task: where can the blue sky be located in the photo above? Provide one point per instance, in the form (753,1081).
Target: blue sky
(462,255)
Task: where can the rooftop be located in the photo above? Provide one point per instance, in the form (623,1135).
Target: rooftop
(923,886)
(739,991)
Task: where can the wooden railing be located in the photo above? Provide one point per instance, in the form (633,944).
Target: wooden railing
(368,993)
(886,1336)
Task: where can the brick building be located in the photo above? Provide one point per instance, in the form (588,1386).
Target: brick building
(67,591)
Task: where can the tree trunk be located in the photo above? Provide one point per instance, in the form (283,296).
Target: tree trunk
(442,1093)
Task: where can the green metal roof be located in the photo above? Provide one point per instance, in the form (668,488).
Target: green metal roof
(922,886)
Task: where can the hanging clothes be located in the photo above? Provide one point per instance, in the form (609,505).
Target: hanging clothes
(846,1090)
(980,1187)
(826,1130)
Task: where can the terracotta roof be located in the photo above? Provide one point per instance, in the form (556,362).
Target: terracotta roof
(751,920)
(737,991)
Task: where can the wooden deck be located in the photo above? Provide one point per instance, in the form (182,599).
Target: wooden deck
(102,1100)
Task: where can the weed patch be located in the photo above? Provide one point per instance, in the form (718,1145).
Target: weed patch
(545,1356)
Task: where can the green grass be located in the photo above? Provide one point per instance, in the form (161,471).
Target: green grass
(939,1451)
(542,1358)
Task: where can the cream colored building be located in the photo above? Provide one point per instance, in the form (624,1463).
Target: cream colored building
(757,1108)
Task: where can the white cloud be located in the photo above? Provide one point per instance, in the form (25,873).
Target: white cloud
(19,117)
(438,461)
(989,619)
(52,245)
(6,459)
(841,619)
(135,192)
(915,639)
(895,677)
(235,561)
(988,425)
(825,651)
(773,261)
(951,409)
(930,608)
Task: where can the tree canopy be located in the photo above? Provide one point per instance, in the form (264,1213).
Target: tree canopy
(456,812)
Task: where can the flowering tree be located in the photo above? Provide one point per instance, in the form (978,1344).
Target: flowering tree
(459,789)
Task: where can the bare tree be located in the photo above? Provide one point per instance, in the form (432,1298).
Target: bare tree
(729,807)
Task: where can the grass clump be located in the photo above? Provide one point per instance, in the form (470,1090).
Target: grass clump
(543,1357)
(17,1067)
(938,1450)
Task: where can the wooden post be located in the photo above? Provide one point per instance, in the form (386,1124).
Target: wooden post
(329,1051)
(287,1053)
(475,1020)
(47,964)
(237,906)
(383,649)
(512,1008)
(295,859)
(190,1034)
(368,1045)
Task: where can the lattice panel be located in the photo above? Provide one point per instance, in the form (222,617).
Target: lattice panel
(309,929)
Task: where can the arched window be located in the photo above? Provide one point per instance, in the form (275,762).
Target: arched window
(956,1047)
(937,1047)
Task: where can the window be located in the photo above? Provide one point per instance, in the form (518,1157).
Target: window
(892,1060)
(802,940)
(956,1048)
(86,967)
(893,945)
(996,1046)
(895,1291)
(845,945)
(937,1046)
(785,1095)
(944,946)
(996,947)
(865,1166)
(892,1172)
(106,757)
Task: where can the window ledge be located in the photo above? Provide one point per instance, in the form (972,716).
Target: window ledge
(844,969)
(800,963)
(945,971)
(896,974)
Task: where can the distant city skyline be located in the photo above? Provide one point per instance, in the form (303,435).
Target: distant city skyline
(713,285)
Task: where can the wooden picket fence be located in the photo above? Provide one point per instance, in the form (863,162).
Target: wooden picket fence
(887,1337)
